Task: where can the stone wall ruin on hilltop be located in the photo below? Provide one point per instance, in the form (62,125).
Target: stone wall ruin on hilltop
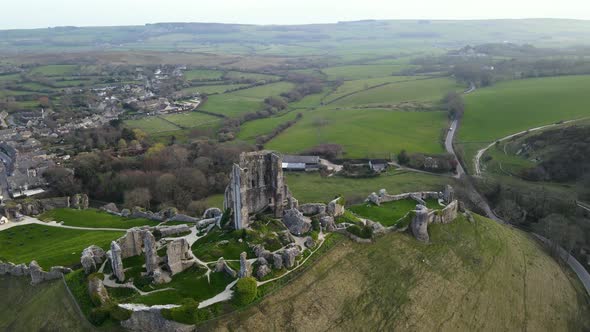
(256,183)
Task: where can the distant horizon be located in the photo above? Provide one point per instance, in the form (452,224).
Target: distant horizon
(35,14)
(296,24)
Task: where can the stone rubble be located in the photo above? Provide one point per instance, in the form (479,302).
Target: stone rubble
(91,258)
(296,222)
(312,209)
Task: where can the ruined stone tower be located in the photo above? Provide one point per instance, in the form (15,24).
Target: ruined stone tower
(256,183)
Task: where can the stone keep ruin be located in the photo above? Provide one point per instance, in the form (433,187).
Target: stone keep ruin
(256,183)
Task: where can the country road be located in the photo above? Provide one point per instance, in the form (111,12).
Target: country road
(480,153)
(451,137)
(480,201)
(571,261)
(450,149)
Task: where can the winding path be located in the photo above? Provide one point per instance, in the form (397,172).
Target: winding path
(480,153)
(26,220)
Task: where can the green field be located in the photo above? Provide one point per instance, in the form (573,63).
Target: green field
(466,275)
(310,101)
(191,119)
(93,218)
(152,124)
(231,105)
(356,72)
(212,89)
(237,103)
(510,107)
(202,74)
(349,87)
(368,133)
(55,70)
(267,90)
(252,129)
(237,75)
(304,186)
(395,93)
(50,246)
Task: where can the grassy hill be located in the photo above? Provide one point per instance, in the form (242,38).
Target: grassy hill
(50,246)
(45,307)
(480,276)
(509,107)
(348,40)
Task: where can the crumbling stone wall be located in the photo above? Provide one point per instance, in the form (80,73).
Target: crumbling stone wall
(32,206)
(33,270)
(255,184)
(384,197)
(424,216)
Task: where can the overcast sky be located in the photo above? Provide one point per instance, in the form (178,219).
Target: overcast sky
(50,13)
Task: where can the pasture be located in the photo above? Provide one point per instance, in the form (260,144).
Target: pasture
(191,119)
(391,94)
(510,107)
(50,246)
(236,103)
(237,75)
(55,70)
(202,75)
(252,129)
(355,72)
(349,87)
(211,89)
(367,133)
(152,124)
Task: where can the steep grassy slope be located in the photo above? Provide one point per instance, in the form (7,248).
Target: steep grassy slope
(480,276)
(50,246)
(45,307)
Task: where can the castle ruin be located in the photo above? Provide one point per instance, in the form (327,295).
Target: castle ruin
(256,183)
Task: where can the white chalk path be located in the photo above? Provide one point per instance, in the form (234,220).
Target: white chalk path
(26,220)
(143,307)
(223,296)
